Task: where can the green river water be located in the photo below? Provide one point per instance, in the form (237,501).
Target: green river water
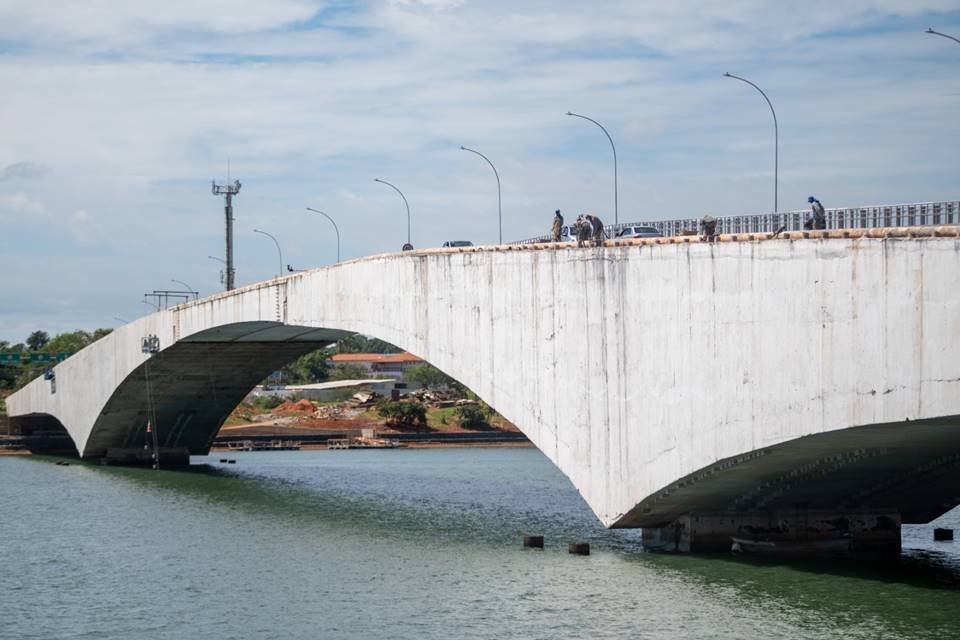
(422,544)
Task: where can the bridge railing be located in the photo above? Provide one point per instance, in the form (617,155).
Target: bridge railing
(889,215)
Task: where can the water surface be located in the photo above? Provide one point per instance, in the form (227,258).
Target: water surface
(406,544)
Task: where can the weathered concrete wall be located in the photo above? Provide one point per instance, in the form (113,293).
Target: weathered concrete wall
(630,366)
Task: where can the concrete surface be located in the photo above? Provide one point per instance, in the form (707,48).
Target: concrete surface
(662,376)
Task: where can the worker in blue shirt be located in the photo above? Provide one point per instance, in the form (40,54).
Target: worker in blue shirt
(818,217)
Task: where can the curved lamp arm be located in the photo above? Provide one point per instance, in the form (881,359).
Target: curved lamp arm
(406,204)
(335,228)
(776,135)
(280,253)
(616,213)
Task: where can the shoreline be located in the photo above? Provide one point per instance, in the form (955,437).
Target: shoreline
(490,444)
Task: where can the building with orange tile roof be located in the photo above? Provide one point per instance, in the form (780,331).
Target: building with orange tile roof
(390,365)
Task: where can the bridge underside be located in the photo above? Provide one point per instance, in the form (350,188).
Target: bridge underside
(193,386)
(910,467)
(41,433)
(878,475)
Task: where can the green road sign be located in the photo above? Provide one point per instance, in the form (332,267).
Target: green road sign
(32,357)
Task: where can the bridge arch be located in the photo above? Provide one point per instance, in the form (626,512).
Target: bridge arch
(632,366)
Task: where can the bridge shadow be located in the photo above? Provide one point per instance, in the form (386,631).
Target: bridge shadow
(913,567)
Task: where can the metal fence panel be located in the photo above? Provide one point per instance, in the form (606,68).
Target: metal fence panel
(896,215)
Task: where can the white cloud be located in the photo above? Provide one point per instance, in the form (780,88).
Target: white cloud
(84,228)
(20,205)
(129,21)
(352,196)
(433,4)
(138,108)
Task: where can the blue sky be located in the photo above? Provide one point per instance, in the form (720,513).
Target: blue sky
(116,116)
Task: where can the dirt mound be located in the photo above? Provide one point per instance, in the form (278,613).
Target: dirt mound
(300,407)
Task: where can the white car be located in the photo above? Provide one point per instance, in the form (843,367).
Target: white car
(639,232)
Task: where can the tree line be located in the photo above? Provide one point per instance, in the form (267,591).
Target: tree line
(14,376)
(307,369)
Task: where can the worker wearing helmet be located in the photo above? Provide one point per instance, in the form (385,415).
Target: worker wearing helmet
(818,217)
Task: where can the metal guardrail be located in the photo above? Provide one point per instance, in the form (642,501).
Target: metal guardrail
(891,215)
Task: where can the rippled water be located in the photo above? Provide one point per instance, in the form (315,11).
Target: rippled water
(406,544)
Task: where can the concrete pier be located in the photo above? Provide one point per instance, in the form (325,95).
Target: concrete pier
(144,456)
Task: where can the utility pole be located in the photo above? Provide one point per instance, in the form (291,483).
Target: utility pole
(228,191)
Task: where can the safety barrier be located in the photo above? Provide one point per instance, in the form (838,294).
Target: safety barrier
(891,215)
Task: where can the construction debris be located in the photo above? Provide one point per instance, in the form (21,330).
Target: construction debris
(364,398)
(436,398)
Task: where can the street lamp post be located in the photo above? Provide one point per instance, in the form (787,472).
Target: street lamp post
(937,33)
(280,253)
(404,202)
(335,228)
(616,213)
(499,201)
(776,135)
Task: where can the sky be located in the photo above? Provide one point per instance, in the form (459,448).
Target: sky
(116,117)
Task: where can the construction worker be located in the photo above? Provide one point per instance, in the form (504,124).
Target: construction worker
(818,217)
(596,229)
(582,228)
(709,226)
(557,226)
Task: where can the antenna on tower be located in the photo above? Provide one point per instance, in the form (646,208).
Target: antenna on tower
(228,191)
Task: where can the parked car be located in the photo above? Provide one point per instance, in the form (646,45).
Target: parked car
(639,232)
(457,243)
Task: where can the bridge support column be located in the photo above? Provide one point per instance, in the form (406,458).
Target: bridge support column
(140,457)
(798,532)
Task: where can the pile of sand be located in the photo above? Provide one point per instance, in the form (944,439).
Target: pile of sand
(300,407)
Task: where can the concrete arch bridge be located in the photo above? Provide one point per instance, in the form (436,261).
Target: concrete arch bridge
(794,389)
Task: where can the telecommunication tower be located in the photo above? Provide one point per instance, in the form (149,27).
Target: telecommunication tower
(228,191)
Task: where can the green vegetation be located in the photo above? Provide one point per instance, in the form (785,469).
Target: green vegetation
(348,371)
(441,419)
(266,403)
(472,416)
(427,375)
(16,376)
(74,342)
(308,369)
(403,414)
(8,376)
(312,367)
(37,340)
(363,344)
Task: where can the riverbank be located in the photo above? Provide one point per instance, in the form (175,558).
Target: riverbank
(415,440)
(312,424)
